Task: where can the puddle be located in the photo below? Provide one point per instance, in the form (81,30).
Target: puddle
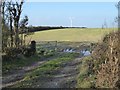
(69,50)
(85,52)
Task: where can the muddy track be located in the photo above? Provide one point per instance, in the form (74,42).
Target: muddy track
(17,76)
(65,77)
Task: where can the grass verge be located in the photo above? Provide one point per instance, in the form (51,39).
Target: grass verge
(86,77)
(18,63)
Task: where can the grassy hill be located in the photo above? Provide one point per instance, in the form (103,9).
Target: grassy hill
(71,34)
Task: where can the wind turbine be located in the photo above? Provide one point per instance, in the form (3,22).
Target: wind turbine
(71,21)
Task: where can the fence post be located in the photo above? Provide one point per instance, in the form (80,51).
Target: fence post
(33,46)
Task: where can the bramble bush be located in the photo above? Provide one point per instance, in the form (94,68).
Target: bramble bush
(107,61)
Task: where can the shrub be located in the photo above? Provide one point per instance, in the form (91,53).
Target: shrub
(107,56)
(13,52)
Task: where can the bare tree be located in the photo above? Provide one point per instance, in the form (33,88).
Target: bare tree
(10,22)
(11,26)
(5,31)
(16,12)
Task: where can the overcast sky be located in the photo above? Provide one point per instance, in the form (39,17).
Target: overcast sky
(89,14)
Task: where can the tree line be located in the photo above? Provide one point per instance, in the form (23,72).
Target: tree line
(43,28)
(12,24)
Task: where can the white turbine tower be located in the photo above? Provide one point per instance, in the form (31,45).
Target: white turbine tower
(71,21)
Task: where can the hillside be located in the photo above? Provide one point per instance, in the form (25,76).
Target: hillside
(70,34)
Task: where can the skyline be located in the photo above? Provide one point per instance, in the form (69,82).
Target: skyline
(88,14)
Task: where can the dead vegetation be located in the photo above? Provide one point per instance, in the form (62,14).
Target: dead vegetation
(107,61)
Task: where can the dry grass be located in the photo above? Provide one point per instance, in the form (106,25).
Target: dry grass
(108,57)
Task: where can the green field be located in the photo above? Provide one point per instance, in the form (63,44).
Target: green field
(71,34)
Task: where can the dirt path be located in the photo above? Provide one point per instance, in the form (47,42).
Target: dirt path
(17,76)
(64,78)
